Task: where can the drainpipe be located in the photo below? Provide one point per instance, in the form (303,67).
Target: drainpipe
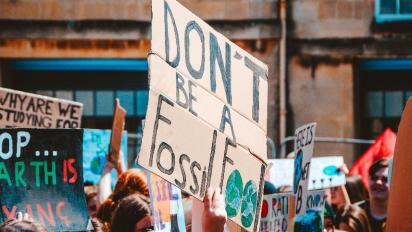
(282,72)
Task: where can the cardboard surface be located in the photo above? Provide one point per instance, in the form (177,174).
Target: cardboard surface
(205,106)
(20,109)
(41,174)
(166,203)
(400,201)
(119,116)
(275,211)
(281,172)
(212,61)
(200,157)
(304,144)
(95,148)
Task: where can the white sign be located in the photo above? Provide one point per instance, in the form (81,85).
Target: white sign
(275,209)
(324,172)
(304,144)
(20,109)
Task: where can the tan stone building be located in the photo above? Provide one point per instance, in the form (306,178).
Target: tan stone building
(93,51)
(349,68)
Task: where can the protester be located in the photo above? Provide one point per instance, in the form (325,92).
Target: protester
(214,213)
(22,223)
(357,191)
(92,200)
(376,207)
(130,182)
(352,218)
(132,214)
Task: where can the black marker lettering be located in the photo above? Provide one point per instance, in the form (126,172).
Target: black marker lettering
(166,146)
(226,159)
(194,165)
(257,72)
(180,90)
(226,118)
(225,70)
(182,184)
(192,25)
(168,12)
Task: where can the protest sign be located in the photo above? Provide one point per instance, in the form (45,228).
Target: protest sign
(20,109)
(275,209)
(203,110)
(201,157)
(119,116)
(304,144)
(400,201)
(281,172)
(166,203)
(206,106)
(95,149)
(324,172)
(312,218)
(197,51)
(41,174)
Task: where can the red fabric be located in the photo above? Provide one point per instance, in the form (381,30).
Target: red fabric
(384,146)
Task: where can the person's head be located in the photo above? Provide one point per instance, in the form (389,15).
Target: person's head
(352,218)
(129,182)
(378,180)
(356,189)
(15,225)
(92,201)
(132,214)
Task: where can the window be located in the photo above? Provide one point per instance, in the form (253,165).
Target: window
(393,10)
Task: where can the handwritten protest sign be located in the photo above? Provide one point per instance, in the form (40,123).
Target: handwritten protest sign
(119,116)
(41,174)
(281,172)
(212,61)
(304,144)
(275,209)
(312,219)
(207,113)
(20,109)
(400,200)
(182,90)
(324,172)
(95,149)
(166,202)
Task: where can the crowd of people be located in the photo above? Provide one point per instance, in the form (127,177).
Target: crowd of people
(352,207)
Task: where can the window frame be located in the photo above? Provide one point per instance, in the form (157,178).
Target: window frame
(382,18)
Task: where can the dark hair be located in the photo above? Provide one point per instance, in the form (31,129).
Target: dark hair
(98,226)
(15,225)
(130,211)
(356,189)
(378,164)
(129,182)
(355,217)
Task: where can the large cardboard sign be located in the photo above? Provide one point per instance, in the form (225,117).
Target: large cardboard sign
(400,200)
(204,105)
(20,109)
(304,144)
(41,174)
(212,61)
(275,209)
(95,148)
(281,172)
(119,116)
(206,120)
(166,203)
(199,157)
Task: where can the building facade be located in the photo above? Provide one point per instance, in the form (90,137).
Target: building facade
(349,68)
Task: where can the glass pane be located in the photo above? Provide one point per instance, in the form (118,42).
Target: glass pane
(393,103)
(104,103)
(408,94)
(86,97)
(388,6)
(406,6)
(48,93)
(142,100)
(374,104)
(68,95)
(127,101)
